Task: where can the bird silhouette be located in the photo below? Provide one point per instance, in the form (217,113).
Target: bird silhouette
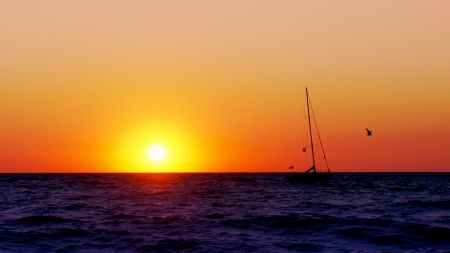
(369,133)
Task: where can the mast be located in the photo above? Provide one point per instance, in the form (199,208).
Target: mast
(310,132)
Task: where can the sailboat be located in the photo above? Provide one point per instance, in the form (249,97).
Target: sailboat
(312,174)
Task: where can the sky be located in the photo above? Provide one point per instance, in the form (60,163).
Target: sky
(91,86)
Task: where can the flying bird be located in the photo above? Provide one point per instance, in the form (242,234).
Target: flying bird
(369,133)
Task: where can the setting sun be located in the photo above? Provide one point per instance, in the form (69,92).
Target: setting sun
(157,153)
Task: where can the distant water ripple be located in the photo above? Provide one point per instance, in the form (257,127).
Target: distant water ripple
(353,212)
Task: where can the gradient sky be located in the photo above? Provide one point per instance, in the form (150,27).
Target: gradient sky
(90,86)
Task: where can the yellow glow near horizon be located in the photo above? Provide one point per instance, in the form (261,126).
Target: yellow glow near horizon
(157,153)
(130,147)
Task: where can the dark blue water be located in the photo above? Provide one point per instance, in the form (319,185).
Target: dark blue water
(353,212)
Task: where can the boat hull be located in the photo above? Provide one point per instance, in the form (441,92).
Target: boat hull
(307,177)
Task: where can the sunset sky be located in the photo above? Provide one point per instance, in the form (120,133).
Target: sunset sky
(91,86)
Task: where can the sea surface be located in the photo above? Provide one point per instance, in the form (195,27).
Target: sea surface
(353,212)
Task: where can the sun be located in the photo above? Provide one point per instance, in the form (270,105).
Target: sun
(157,153)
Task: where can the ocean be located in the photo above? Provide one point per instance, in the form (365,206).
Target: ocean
(224,212)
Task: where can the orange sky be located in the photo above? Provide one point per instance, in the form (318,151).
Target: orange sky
(90,86)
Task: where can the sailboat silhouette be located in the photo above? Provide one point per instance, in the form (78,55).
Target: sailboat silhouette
(310,175)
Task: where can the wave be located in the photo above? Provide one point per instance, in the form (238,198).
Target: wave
(215,216)
(308,221)
(437,234)
(422,203)
(161,192)
(243,179)
(76,206)
(163,217)
(280,221)
(125,216)
(304,247)
(80,198)
(423,232)
(66,232)
(391,239)
(169,245)
(43,219)
(49,233)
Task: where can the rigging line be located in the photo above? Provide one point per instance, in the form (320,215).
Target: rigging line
(298,137)
(320,140)
(305,141)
